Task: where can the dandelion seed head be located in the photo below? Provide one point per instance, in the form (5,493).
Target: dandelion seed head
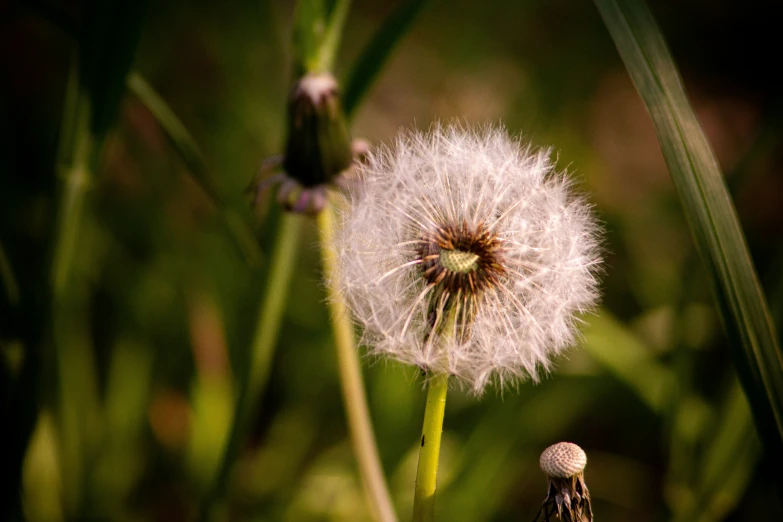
(563,460)
(464,252)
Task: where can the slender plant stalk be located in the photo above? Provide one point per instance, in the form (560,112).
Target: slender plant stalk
(333,35)
(270,315)
(358,414)
(272,307)
(431,431)
(78,158)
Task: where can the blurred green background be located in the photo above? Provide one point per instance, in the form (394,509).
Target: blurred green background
(160,323)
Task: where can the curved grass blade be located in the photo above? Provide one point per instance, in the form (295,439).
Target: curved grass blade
(189,151)
(727,463)
(371,61)
(709,211)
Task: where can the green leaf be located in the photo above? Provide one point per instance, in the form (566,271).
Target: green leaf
(621,352)
(709,211)
(727,465)
(371,61)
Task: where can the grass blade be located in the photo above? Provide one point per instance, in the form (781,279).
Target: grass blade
(334,32)
(308,35)
(371,61)
(175,130)
(727,463)
(709,211)
(624,355)
(188,150)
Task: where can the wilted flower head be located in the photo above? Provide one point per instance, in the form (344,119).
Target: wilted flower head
(463,252)
(567,494)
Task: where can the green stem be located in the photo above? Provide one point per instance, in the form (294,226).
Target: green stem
(281,269)
(427,472)
(270,316)
(334,32)
(78,158)
(358,414)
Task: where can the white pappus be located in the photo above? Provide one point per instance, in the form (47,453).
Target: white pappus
(463,252)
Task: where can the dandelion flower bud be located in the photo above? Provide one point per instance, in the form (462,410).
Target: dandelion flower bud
(318,151)
(463,252)
(567,494)
(319,144)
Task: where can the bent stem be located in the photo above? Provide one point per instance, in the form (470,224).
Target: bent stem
(186,147)
(359,425)
(427,472)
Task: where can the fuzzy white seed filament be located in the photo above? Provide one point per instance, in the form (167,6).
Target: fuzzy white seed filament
(465,253)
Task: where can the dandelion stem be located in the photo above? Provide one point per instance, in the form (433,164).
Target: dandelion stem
(358,414)
(427,473)
(278,277)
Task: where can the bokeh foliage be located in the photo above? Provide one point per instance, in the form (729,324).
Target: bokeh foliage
(162,304)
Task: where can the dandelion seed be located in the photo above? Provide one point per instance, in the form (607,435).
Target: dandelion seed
(474,230)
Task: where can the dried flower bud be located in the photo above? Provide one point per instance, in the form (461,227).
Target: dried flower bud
(319,145)
(567,494)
